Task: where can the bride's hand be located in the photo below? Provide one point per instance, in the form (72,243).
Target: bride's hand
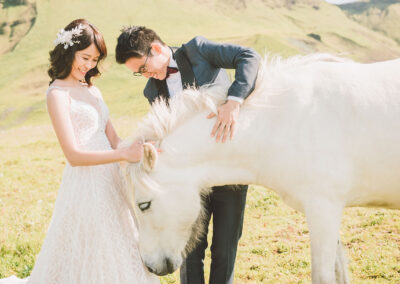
(133,153)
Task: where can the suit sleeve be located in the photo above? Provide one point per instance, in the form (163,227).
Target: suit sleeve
(244,60)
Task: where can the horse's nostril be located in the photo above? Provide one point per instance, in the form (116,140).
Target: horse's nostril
(170,266)
(149,269)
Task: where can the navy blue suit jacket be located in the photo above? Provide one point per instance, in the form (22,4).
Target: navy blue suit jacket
(207,61)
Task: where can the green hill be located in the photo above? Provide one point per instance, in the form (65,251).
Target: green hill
(281,27)
(379,15)
(16,19)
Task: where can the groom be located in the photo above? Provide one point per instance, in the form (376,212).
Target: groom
(196,63)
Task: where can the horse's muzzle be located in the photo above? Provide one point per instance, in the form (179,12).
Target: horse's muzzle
(167,268)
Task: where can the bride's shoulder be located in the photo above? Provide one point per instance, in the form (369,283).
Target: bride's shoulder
(57,92)
(96,91)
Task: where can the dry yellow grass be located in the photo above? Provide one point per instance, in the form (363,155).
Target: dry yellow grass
(274,247)
(275,243)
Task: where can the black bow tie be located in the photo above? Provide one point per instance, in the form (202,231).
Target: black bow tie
(171,70)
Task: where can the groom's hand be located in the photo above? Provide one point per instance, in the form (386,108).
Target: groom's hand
(228,114)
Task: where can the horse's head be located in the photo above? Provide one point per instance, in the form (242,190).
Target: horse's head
(166,215)
(166,194)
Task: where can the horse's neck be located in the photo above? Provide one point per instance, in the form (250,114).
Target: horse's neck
(259,153)
(193,150)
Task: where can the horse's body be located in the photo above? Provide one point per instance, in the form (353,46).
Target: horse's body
(322,132)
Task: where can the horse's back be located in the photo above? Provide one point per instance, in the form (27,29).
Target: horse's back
(342,121)
(369,118)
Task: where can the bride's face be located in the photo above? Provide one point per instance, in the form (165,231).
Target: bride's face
(84,60)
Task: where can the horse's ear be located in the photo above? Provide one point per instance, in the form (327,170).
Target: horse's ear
(150,156)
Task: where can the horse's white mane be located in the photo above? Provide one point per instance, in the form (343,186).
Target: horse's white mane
(162,119)
(273,67)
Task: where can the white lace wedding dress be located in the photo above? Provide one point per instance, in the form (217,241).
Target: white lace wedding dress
(92,237)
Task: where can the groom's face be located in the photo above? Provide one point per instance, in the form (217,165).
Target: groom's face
(153,65)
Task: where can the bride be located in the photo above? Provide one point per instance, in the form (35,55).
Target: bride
(92,236)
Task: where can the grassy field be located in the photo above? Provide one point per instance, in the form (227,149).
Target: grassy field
(275,243)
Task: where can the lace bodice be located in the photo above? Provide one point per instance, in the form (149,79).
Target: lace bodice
(88,121)
(92,237)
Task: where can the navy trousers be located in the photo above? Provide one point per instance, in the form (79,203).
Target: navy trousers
(227,207)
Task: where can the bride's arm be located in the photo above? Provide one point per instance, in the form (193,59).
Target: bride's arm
(58,108)
(112,135)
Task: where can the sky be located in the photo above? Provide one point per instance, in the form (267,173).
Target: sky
(340,1)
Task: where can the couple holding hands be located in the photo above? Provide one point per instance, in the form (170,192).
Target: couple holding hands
(92,237)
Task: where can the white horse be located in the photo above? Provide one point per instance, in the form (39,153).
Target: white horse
(321,131)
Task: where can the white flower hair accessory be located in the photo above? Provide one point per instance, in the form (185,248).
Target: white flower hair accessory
(66,37)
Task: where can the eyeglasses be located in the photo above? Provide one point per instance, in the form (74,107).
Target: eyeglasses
(142,69)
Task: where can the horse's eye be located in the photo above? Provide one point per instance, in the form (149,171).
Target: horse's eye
(144,205)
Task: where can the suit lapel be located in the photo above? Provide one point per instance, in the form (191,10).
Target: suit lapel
(185,68)
(162,89)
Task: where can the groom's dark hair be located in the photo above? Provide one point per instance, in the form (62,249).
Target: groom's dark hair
(134,41)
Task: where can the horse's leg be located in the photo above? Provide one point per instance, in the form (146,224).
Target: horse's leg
(323,218)
(341,265)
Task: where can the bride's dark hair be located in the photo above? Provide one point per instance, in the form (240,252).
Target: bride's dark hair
(61,58)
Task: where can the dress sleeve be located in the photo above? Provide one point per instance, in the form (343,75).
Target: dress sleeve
(96,92)
(63,91)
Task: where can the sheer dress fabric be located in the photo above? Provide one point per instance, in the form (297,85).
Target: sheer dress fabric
(92,236)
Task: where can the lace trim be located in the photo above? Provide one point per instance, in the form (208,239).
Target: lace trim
(98,97)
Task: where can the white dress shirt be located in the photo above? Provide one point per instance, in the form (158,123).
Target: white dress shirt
(174,81)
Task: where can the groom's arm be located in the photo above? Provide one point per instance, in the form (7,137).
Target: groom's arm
(244,60)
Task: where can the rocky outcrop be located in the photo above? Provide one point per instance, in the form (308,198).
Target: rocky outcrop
(17,17)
